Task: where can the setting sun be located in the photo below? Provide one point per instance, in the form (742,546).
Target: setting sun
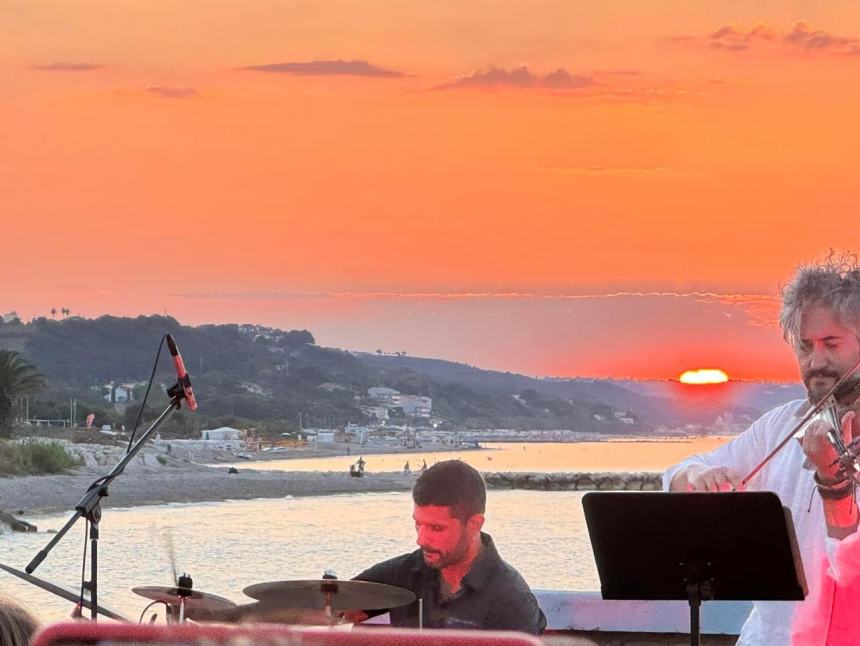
(703,376)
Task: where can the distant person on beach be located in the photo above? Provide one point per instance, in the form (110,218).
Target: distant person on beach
(820,318)
(17,626)
(356,470)
(406,469)
(457,572)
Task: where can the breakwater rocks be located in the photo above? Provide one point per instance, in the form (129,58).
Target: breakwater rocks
(16,525)
(575,481)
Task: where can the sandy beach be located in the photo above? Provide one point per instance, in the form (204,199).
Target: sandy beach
(192,483)
(161,474)
(154,477)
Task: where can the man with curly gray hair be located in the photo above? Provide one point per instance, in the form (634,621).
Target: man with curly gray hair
(820,319)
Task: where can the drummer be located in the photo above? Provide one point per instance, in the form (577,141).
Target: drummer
(457,572)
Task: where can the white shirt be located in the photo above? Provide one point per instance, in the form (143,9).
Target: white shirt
(770,622)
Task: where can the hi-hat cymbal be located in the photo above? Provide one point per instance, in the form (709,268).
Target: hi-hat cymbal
(341,595)
(195,600)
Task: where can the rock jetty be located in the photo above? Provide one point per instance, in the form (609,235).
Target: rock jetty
(575,481)
(15,524)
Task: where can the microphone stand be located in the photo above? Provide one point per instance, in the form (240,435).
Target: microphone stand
(89,506)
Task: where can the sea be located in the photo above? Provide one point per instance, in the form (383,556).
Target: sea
(227,546)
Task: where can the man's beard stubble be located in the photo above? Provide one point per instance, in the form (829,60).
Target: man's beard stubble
(816,394)
(847,388)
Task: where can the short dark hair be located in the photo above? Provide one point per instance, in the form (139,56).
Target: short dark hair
(453,484)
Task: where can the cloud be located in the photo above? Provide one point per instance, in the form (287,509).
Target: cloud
(561,79)
(799,38)
(68,67)
(735,38)
(758,310)
(621,73)
(762,309)
(520,77)
(623,86)
(327,68)
(172,91)
(763,303)
(803,36)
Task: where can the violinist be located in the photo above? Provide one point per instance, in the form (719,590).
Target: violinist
(820,319)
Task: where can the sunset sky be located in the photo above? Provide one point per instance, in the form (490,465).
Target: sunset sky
(612,188)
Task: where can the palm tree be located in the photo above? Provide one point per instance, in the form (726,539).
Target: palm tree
(53,312)
(17,378)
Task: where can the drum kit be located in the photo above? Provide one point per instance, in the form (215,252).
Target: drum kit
(327,601)
(315,601)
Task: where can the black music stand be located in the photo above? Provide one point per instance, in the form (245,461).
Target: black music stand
(694,547)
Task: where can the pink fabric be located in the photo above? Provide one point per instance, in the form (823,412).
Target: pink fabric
(831,614)
(71,634)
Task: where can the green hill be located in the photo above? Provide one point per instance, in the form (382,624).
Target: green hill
(253,375)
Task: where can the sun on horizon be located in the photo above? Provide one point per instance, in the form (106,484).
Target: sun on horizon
(703,376)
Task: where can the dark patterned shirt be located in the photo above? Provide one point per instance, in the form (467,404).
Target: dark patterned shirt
(492,595)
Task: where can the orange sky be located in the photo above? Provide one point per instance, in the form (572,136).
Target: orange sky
(434,197)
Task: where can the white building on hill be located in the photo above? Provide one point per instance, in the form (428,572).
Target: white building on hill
(416,405)
(222,434)
(384,395)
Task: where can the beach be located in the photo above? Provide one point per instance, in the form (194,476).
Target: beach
(191,483)
(154,477)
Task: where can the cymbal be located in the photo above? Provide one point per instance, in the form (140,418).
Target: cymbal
(345,595)
(195,600)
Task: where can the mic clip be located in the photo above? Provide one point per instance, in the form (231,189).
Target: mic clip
(176,392)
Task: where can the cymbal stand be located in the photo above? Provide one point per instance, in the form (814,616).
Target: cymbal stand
(89,506)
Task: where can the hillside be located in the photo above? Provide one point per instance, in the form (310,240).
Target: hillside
(252,375)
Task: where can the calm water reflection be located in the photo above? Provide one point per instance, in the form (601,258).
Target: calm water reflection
(579,456)
(227,546)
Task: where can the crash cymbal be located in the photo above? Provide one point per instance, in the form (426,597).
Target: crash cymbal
(195,600)
(343,595)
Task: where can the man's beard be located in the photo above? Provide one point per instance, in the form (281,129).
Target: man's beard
(816,394)
(455,555)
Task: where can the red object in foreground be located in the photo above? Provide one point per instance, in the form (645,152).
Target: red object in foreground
(182,377)
(86,634)
(830,614)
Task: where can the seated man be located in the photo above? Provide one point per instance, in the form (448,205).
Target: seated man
(457,572)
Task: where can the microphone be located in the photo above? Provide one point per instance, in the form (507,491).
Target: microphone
(181,373)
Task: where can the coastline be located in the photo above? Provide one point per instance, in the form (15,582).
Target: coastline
(27,495)
(343,450)
(156,477)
